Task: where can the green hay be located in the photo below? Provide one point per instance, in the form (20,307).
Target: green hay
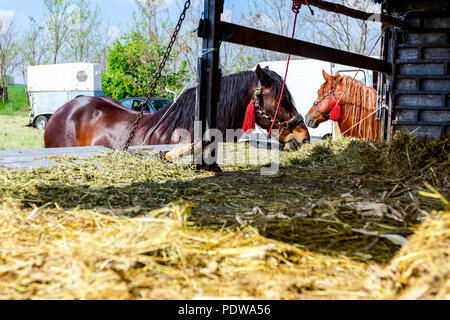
(314,204)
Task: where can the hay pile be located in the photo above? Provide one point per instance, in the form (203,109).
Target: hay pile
(422,268)
(328,225)
(86,255)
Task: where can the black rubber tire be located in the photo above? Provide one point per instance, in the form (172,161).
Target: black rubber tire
(41,122)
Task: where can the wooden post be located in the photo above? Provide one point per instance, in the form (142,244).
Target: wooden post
(210,75)
(337,134)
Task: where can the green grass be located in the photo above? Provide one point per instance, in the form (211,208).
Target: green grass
(15,135)
(13,120)
(17,104)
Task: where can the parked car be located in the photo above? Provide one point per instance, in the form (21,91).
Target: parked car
(154,105)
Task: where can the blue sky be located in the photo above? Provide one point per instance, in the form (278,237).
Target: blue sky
(118,13)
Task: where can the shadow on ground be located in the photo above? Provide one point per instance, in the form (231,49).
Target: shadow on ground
(312,203)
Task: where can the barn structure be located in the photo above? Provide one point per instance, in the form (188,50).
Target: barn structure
(414,73)
(419,84)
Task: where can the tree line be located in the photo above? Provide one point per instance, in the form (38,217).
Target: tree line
(72,31)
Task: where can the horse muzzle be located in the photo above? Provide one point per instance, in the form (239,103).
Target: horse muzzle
(298,137)
(311,122)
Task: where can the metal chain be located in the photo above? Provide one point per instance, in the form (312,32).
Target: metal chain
(158,74)
(258,103)
(267,117)
(283,125)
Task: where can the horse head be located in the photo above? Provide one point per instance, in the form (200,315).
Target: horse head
(356,111)
(330,90)
(290,124)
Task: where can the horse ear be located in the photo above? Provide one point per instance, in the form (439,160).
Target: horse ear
(267,68)
(326,76)
(339,85)
(259,73)
(265,81)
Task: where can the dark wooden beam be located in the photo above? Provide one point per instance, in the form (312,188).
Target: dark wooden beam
(273,42)
(384,19)
(210,77)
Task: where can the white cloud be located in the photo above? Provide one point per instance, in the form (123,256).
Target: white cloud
(5,17)
(114,32)
(6,14)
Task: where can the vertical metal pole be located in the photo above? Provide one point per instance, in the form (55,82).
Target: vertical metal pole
(390,83)
(198,132)
(389,54)
(210,74)
(382,90)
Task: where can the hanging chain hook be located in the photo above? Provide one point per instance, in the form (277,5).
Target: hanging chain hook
(297,5)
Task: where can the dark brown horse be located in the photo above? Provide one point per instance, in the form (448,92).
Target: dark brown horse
(358,107)
(89,121)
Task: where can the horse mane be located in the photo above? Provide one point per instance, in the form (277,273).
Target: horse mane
(236,93)
(358,103)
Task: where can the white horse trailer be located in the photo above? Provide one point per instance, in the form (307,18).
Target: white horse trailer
(51,86)
(304,80)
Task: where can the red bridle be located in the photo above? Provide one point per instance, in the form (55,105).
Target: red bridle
(335,113)
(256,106)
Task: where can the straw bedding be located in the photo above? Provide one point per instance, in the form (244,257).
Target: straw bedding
(345,219)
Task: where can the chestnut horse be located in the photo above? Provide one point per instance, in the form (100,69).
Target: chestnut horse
(89,121)
(358,107)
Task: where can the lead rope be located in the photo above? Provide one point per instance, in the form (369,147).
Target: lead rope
(296,6)
(158,74)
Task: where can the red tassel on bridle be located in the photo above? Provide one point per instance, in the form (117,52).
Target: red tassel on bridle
(249,120)
(336,110)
